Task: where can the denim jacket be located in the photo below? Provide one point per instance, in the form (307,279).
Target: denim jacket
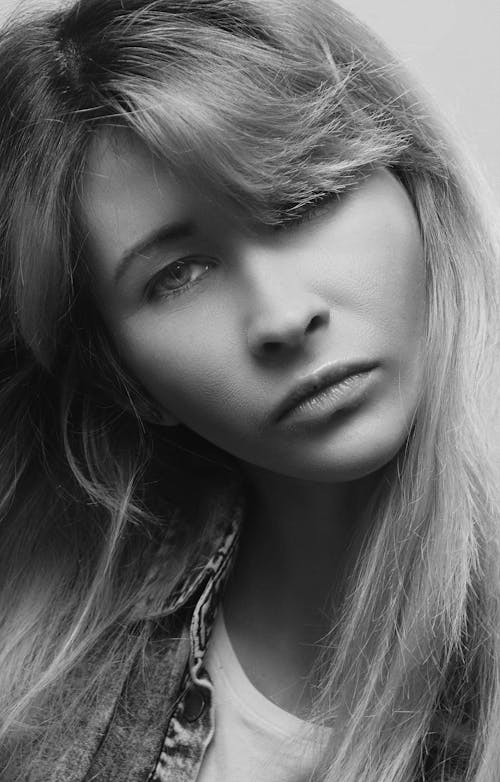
(155,722)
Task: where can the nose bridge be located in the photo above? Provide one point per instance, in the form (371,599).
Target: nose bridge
(281,308)
(273,278)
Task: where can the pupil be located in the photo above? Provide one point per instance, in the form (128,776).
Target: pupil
(178,272)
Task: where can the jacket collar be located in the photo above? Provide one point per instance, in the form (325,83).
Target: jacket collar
(157,597)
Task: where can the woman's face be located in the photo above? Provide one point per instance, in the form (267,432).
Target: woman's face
(221,321)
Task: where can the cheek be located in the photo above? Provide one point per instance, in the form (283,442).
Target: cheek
(387,272)
(188,367)
(400,296)
(400,301)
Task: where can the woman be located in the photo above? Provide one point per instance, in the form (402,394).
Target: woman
(249,507)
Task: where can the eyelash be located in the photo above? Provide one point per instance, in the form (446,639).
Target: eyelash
(310,212)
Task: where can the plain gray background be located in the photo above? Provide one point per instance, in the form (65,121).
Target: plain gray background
(452,46)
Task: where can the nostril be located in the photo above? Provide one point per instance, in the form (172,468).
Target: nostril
(272,347)
(314,323)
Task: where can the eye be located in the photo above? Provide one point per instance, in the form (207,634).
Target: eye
(177,277)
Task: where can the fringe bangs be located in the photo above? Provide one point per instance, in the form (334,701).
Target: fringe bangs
(274,129)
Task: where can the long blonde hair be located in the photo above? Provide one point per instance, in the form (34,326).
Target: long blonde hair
(266,104)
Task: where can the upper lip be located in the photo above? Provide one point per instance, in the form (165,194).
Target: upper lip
(315,382)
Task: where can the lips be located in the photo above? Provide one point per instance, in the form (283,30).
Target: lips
(318,381)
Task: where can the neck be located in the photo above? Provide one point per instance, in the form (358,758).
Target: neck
(297,546)
(299,537)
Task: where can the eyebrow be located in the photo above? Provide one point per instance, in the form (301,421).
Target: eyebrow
(183,229)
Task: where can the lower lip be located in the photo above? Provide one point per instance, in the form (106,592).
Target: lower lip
(348,394)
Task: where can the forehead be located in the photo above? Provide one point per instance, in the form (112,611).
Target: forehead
(126,192)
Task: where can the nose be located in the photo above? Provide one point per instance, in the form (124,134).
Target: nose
(285,321)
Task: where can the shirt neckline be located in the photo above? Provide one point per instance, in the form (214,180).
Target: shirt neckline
(249,698)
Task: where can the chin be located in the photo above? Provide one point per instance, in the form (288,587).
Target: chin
(344,458)
(339,472)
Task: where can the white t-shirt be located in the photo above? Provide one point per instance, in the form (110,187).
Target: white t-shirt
(254,740)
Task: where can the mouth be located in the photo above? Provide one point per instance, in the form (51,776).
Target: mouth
(338,378)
